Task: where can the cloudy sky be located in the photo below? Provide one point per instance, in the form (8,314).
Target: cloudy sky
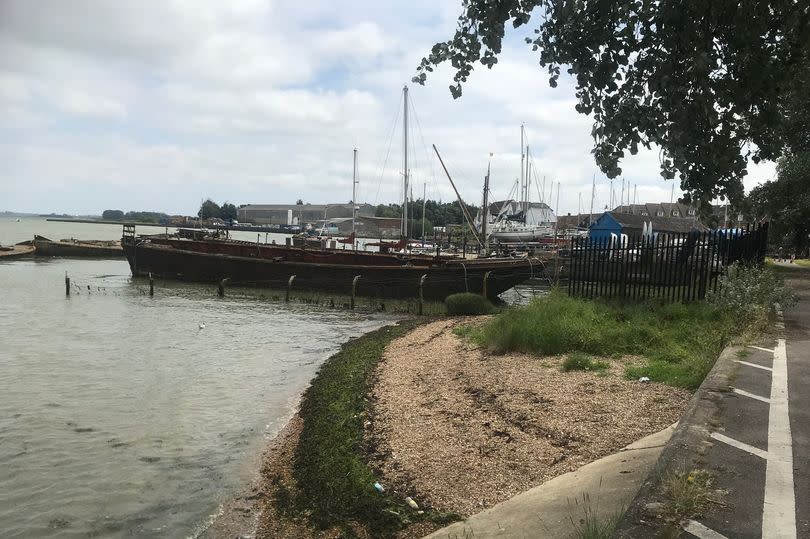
(155,105)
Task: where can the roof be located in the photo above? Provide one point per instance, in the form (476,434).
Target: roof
(659,224)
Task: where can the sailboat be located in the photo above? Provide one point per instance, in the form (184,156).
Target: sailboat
(514,226)
(379,274)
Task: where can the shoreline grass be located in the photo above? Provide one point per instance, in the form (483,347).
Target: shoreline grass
(680,342)
(334,486)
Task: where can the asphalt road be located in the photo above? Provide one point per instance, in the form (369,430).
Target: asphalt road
(760,436)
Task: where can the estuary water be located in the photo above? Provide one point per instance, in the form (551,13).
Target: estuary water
(120,415)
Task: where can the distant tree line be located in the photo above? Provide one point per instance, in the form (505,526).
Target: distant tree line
(210,209)
(436,213)
(137,216)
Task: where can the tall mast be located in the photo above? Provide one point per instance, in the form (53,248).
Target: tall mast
(593,194)
(526,191)
(522,171)
(485,210)
(405,161)
(354,195)
(424,201)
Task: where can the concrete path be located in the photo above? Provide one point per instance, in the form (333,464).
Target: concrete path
(604,487)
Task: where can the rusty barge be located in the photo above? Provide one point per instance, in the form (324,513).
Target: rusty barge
(384,275)
(77,248)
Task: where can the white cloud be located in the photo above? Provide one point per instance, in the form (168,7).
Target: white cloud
(154,105)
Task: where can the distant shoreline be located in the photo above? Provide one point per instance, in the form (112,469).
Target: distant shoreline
(102,222)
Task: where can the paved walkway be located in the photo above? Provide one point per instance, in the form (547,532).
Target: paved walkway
(604,487)
(761,437)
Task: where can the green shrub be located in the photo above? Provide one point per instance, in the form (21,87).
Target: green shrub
(748,292)
(577,361)
(468,304)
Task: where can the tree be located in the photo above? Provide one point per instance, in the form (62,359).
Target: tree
(299,202)
(786,203)
(711,83)
(112,215)
(208,209)
(227,212)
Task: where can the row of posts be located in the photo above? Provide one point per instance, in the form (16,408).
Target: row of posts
(224,282)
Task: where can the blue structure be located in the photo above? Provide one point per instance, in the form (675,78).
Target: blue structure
(612,222)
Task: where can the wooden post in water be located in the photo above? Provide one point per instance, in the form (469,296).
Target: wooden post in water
(484,286)
(289,286)
(354,289)
(421,296)
(151,285)
(67,285)
(221,287)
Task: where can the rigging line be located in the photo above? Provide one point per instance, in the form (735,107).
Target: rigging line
(424,149)
(388,152)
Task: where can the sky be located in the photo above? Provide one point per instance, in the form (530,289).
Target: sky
(159,104)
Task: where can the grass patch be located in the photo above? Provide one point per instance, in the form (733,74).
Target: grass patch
(467,303)
(334,484)
(742,352)
(577,361)
(680,341)
(591,525)
(688,494)
(802,262)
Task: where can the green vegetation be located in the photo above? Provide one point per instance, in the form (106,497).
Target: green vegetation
(334,484)
(135,216)
(591,525)
(210,209)
(688,494)
(748,292)
(712,84)
(577,361)
(467,303)
(680,342)
(786,203)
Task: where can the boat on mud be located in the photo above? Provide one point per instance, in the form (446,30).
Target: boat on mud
(384,275)
(77,248)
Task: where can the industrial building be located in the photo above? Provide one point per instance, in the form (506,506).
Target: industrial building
(297,214)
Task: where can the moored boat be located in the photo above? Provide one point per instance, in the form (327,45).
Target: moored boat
(328,270)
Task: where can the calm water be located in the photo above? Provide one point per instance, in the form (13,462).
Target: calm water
(119,416)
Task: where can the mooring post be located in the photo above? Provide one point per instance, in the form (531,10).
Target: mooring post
(421,297)
(354,289)
(221,287)
(484,287)
(67,285)
(151,285)
(289,286)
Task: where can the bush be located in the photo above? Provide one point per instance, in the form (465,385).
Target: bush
(583,362)
(749,292)
(468,304)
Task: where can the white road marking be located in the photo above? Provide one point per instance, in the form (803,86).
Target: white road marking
(763,367)
(779,509)
(760,348)
(740,445)
(751,395)
(702,532)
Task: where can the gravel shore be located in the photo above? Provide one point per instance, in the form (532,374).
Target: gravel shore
(462,430)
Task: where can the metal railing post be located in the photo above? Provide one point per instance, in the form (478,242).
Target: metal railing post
(289,286)
(421,296)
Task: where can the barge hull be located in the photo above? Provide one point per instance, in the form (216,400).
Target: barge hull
(389,281)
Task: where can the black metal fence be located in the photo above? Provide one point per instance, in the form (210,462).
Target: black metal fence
(671,266)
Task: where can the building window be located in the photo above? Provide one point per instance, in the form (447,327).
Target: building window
(675,213)
(660,213)
(644,213)
(691,211)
